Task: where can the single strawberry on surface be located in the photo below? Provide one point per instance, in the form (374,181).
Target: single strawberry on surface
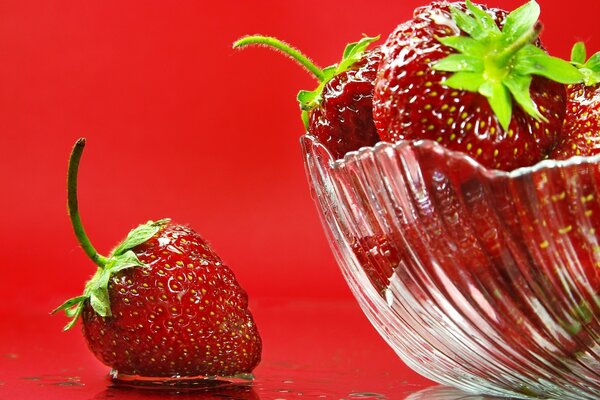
(162,304)
(339,112)
(475,80)
(581,129)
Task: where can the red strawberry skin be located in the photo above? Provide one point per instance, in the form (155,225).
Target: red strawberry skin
(343,121)
(183,314)
(581,130)
(410,101)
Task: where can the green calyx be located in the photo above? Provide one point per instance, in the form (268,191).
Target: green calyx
(590,69)
(96,289)
(500,64)
(311,99)
(122,256)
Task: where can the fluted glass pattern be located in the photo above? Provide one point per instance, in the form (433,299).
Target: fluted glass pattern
(483,280)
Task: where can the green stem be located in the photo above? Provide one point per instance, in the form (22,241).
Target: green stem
(504,57)
(284,48)
(73,206)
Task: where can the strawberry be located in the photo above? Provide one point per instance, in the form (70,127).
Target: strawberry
(581,129)
(560,227)
(455,73)
(378,257)
(162,304)
(339,113)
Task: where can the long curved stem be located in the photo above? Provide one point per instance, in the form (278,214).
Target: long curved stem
(285,48)
(73,207)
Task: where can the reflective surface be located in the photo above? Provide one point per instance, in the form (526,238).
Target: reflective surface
(479,279)
(314,348)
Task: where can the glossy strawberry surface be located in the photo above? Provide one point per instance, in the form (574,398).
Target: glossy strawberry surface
(581,130)
(411,101)
(343,121)
(182,314)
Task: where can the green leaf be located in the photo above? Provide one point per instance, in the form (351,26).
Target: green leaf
(349,50)
(486,22)
(470,81)
(100,302)
(520,21)
(578,53)
(124,261)
(69,303)
(459,62)
(500,101)
(499,64)
(590,77)
(352,54)
(464,44)
(72,309)
(74,314)
(466,23)
(594,63)
(356,49)
(139,235)
(531,60)
(589,69)
(97,287)
(329,72)
(308,99)
(518,85)
(305,118)
(98,290)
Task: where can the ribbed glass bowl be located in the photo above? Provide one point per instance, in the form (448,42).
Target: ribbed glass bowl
(479,279)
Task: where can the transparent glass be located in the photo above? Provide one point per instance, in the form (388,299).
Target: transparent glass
(480,279)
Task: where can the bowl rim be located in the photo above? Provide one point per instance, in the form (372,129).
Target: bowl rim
(354,156)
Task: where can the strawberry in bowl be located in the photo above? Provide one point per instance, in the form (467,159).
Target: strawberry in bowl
(472,252)
(339,112)
(580,136)
(476,82)
(495,286)
(162,308)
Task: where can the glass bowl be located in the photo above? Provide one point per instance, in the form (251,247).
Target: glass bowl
(480,279)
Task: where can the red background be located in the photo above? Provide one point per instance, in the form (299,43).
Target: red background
(179,125)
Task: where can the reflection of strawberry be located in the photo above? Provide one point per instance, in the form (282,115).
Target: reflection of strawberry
(162,304)
(451,75)
(378,257)
(204,390)
(559,227)
(339,111)
(581,130)
(500,243)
